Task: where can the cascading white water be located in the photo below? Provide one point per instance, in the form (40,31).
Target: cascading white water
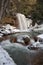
(5,59)
(29,22)
(22,21)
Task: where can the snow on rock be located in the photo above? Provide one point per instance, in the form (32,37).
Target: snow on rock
(1,34)
(39,28)
(7,29)
(40,36)
(20,38)
(36,44)
(11,28)
(5,59)
(8,26)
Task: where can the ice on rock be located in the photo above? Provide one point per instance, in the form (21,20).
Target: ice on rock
(1,34)
(40,36)
(39,28)
(5,59)
(8,26)
(36,44)
(20,38)
(15,30)
(7,29)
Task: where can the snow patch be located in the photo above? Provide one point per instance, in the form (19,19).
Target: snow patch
(5,59)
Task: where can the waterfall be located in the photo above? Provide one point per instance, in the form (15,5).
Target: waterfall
(29,22)
(5,59)
(22,21)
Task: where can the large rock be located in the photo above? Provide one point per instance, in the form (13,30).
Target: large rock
(23,56)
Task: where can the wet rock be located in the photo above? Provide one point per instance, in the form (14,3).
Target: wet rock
(1,39)
(35,38)
(13,39)
(23,39)
(26,41)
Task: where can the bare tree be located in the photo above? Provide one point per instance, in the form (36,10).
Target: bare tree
(4,5)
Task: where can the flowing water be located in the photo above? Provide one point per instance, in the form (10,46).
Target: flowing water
(22,21)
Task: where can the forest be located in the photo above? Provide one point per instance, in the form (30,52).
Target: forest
(8,8)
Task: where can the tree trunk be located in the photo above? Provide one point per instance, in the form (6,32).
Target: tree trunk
(4,5)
